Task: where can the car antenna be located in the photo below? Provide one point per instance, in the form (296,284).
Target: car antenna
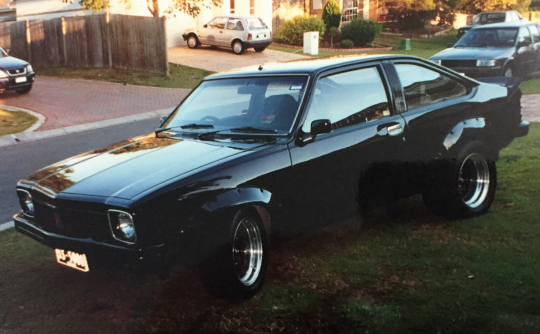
(261,67)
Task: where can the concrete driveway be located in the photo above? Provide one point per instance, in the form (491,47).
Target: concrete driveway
(223,59)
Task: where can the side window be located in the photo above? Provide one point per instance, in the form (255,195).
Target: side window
(348,98)
(524,36)
(235,24)
(535,34)
(218,23)
(423,86)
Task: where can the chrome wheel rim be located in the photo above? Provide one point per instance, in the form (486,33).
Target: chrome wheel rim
(247,251)
(237,47)
(192,42)
(474,180)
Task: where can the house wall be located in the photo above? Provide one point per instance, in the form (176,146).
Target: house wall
(283,10)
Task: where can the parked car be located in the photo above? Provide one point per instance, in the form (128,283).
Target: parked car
(504,49)
(492,17)
(15,74)
(279,149)
(239,32)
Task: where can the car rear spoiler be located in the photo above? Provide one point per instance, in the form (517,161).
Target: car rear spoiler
(511,83)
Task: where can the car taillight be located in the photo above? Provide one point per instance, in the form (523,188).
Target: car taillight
(250,37)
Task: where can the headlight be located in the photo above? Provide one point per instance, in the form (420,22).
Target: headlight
(27,205)
(486,62)
(3,74)
(29,68)
(435,61)
(122,226)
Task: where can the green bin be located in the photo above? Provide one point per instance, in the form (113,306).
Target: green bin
(405,44)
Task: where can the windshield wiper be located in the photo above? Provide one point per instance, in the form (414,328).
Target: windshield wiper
(187,126)
(250,129)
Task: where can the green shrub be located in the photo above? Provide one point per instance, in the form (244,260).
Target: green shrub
(292,31)
(361,32)
(346,44)
(408,19)
(334,35)
(331,14)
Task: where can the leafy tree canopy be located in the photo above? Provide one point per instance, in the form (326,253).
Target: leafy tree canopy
(190,7)
(477,6)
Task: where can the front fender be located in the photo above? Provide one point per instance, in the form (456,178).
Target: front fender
(238,196)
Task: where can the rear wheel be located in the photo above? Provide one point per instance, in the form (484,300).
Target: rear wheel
(192,42)
(465,187)
(237,267)
(238,47)
(24,90)
(259,49)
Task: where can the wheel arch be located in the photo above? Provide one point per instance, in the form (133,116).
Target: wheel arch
(472,129)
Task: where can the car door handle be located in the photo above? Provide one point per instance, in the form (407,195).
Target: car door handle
(391,129)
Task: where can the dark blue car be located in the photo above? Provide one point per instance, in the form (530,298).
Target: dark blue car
(15,74)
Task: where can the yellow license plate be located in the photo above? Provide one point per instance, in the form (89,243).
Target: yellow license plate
(72,259)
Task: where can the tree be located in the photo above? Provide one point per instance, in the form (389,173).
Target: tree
(190,7)
(477,6)
(331,14)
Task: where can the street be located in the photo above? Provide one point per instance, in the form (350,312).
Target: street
(22,159)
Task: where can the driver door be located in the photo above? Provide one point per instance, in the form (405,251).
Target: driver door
(212,33)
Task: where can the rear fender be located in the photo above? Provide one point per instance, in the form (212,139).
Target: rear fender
(456,134)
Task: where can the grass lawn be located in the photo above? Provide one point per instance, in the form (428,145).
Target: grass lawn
(180,76)
(15,121)
(530,87)
(414,273)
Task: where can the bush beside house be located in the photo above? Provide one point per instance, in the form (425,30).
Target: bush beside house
(361,32)
(292,31)
(331,14)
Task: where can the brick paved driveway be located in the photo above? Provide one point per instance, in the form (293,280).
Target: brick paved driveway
(223,59)
(66,102)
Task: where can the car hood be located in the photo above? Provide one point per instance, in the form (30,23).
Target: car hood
(10,63)
(126,169)
(460,53)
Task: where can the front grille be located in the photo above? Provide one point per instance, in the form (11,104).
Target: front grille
(17,71)
(459,63)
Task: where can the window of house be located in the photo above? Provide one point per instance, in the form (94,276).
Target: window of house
(348,98)
(232,7)
(252,7)
(423,86)
(349,14)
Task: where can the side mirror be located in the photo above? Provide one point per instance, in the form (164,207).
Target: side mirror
(320,126)
(205,26)
(449,45)
(163,118)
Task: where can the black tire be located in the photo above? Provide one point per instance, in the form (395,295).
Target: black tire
(259,49)
(464,187)
(24,90)
(237,266)
(237,47)
(192,42)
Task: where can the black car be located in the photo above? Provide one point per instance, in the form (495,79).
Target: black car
(15,74)
(278,149)
(504,49)
(491,17)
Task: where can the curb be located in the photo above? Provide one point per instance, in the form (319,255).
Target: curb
(382,48)
(28,136)
(36,125)
(7,226)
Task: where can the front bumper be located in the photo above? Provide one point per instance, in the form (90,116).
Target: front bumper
(96,252)
(10,83)
(480,72)
(185,36)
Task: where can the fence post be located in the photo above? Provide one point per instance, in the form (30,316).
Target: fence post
(108,36)
(28,42)
(64,49)
(164,29)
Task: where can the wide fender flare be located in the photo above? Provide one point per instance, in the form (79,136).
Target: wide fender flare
(237,197)
(456,134)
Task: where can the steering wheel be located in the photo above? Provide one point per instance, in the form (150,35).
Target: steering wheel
(210,118)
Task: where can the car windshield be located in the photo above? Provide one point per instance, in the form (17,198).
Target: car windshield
(256,24)
(249,105)
(495,37)
(489,18)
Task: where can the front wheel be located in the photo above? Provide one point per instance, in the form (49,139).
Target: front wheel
(192,42)
(465,187)
(238,47)
(259,49)
(237,267)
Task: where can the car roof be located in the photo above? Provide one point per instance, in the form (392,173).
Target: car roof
(238,16)
(515,24)
(306,66)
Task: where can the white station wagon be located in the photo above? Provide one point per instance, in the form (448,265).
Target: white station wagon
(238,32)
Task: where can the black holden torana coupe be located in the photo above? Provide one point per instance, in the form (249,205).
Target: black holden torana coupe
(276,149)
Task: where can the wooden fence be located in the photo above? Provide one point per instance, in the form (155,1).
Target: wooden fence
(115,41)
